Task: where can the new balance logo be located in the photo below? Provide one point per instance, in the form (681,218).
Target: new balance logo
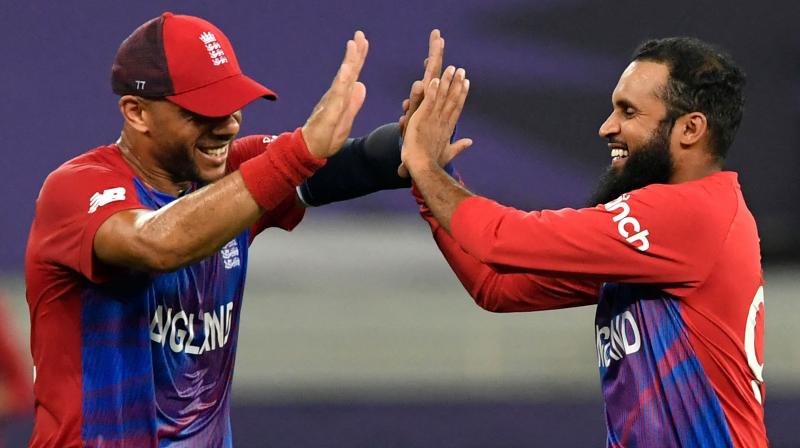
(107,196)
(625,222)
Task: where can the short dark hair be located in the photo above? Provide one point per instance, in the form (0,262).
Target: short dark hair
(702,78)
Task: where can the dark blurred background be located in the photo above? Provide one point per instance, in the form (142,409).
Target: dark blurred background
(355,333)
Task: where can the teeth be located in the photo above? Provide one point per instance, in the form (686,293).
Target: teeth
(616,152)
(216,152)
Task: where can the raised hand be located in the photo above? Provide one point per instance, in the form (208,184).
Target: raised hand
(331,120)
(427,138)
(433,69)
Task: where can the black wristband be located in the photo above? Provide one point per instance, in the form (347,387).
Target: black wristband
(364,165)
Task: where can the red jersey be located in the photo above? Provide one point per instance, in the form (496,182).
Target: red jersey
(675,272)
(127,358)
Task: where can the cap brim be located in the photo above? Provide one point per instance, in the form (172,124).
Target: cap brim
(223,97)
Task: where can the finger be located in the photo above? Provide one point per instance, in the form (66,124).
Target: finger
(336,99)
(455,114)
(362,45)
(433,64)
(431,92)
(402,171)
(345,121)
(453,150)
(417,92)
(425,109)
(353,62)
(454,94)
(347,73)
(406,103)
(444,87)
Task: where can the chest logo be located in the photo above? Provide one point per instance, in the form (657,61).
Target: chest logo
(627,224)
(230,255)
(107,196)
(620,338)
(176,329)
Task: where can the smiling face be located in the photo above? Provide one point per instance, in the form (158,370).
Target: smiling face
(638,131)
(637,109)
(187,146)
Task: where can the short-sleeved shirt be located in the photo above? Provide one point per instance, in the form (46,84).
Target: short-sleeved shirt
(675,272)
(127,358)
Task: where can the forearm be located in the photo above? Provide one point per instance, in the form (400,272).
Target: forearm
(441,193)
(198,224)
(506,292)
(364,165)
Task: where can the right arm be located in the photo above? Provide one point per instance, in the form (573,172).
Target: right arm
(491,290)
(508,292)
(195,226)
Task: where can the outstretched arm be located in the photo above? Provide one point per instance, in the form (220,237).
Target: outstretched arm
(659,235)
(364,165)
(507,292)
(195,226)
(427,141)
(372,163)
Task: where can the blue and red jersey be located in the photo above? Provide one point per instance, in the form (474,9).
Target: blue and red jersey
(125,358)
(675,273)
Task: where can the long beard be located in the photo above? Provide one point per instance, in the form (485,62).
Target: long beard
(651,164)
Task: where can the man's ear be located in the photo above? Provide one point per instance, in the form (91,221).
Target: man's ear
(691,128)
(134,109)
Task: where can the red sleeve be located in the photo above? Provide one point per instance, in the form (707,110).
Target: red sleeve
(288,214)
(245,148)
(74,201)
(508,292)
(665,235)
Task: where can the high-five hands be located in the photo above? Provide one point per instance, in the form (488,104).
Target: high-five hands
(433,69)
(427,134)
(331,120)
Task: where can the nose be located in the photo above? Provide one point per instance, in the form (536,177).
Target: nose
(609,127)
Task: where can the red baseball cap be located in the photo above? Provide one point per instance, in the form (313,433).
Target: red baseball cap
(188,61)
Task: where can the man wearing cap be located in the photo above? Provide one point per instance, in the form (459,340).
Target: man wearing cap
(136,259)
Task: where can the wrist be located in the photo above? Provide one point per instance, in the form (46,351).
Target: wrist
(419,164)
(311,149)
(362,166)
(273,175)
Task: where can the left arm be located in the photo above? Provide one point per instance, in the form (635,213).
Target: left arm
(362,166)
(373,163)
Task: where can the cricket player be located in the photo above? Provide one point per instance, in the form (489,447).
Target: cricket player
(137,254)
(670,256)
